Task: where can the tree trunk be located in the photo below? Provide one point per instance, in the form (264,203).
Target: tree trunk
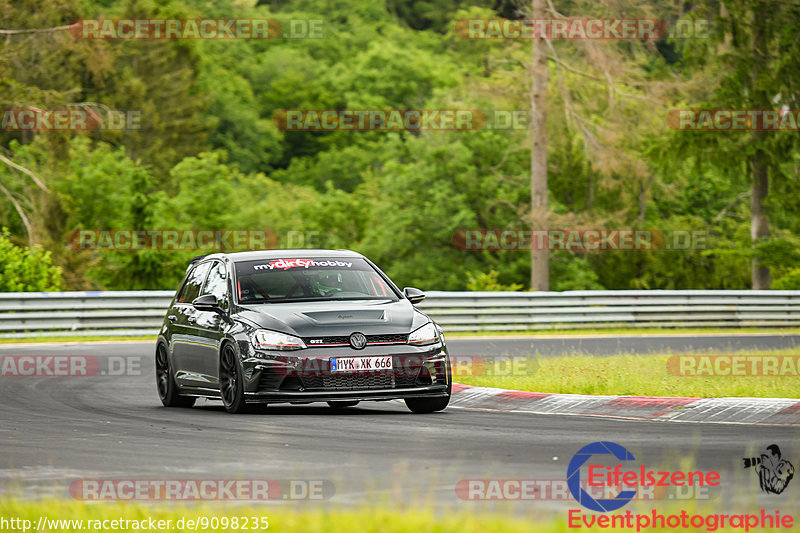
(759,221)
(540,258)
(641,201)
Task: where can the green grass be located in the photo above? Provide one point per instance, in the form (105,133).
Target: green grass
(634,375)
(622,331)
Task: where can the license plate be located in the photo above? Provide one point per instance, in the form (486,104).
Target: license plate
(360,364)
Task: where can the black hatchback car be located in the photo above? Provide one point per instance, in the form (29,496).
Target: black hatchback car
(298,326)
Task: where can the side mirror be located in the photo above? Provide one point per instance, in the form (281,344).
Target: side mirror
(414,296)
(207,302)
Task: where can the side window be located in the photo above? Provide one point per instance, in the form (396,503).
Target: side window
(191,289)
(217,283)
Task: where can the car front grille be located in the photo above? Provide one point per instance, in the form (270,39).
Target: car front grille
(325,341)
(358,382)
(377,381)
(387,339)
(311,342)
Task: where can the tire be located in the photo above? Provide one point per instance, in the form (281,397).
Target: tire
(165,382)
(231,387)
(427,405)
(338,404)
(431,405)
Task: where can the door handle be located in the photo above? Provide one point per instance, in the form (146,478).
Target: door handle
(172,318)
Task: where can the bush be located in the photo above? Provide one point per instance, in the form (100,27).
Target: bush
(26,269)
(789,281)
(487,281)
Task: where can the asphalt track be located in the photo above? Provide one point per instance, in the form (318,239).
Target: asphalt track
(54,430)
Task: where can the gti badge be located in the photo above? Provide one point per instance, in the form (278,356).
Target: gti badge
(358,341)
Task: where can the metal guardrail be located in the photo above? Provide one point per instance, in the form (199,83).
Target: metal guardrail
(92,313)
(508,311)
(139,313)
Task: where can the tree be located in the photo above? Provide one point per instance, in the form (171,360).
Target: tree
(754,58)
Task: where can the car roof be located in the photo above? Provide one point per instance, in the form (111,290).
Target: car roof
(281,254)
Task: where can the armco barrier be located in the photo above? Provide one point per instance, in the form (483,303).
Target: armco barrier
(508,311)
(42,314)
(25,314)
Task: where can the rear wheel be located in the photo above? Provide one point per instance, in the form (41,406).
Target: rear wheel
(165,381)
(337,404)
(231,387)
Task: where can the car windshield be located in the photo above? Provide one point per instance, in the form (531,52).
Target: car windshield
(309,279)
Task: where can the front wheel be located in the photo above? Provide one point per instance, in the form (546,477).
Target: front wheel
(431,405)
(165,381)
(427,405)
(231,387)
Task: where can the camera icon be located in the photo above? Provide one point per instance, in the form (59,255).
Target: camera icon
(751,461)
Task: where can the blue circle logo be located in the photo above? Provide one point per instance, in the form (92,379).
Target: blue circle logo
(574,476)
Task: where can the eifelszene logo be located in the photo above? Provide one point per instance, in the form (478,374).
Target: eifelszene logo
(774,472)
(617,477)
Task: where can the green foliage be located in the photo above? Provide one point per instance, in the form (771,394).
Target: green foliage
(571,273)
(250,140)
(26,269)
(487,281)
(209,156)
(433,187)
(789,281)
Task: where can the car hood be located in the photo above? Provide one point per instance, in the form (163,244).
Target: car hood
(312,319)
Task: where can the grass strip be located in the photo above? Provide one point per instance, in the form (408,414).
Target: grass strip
(628,375)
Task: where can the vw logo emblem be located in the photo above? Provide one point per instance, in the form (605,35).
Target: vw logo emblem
(358,341)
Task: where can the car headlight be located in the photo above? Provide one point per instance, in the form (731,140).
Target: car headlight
(427,334)
(264,339)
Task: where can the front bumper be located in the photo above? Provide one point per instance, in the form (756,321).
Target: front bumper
(431,391)
(305,376)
